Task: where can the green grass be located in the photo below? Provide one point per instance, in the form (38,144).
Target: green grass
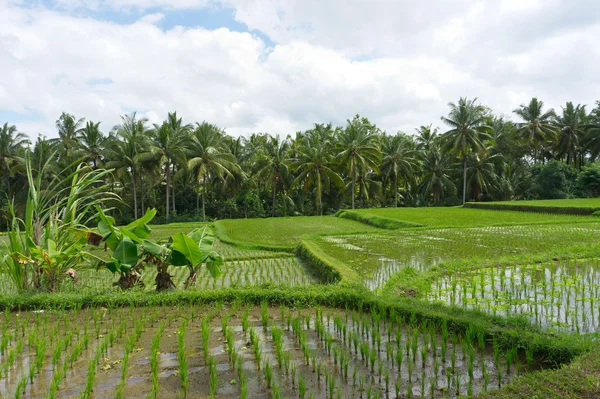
(578,380)
(283,233)
(580,206)
(592,203)
(467,217)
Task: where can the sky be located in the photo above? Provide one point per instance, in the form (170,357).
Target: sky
(279,66)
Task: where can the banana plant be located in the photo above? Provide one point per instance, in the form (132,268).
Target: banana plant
(126,245)
(194,249)
(131,249)
(184,250)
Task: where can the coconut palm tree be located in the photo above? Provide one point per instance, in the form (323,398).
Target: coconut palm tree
(435,180)
(398,160)
(208,158)
(168,145)
(572,126)
(91,143)
(481,172)
(537,127)
(425,138)
(314,167)
(132,131)
(12,144)
(273,166)
(69,129)
(358,149)
(469,132)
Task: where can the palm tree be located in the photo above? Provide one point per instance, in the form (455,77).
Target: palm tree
(12,143)
(168,145)
(537,127)
(572,126)
(468,132)
(358,149)
(125,154)
(272,167)
(426,136)
(91,143)
(313,166)
(482,174)
(69,129)
(435,179)
(207,158)
(397,160)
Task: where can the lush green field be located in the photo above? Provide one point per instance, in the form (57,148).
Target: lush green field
(443,302)
(592,203)
(467,217)
(283,233)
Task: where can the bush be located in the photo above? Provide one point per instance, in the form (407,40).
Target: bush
(588,181)
(553,180)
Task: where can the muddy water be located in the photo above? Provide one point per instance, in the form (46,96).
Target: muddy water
(330,337)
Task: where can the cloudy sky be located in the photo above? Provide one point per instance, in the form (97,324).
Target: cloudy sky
(278,66)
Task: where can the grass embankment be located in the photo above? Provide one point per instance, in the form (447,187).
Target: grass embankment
(463,217)
(578,206)
(281,234)
(577,380)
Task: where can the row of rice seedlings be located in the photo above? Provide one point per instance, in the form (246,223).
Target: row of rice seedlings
(58,337)
(560,296)
(365,340)
(252,272)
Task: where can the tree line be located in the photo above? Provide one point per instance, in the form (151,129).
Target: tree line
(198,171)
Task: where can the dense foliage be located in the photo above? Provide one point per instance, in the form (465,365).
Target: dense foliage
(198,171)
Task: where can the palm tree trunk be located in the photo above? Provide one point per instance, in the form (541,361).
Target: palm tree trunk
(464,180)
(353,183)
(142,195)
(134,181)
(395,191)
(168,173)
(319,205)
(203,190)
(173,190)
(274,193)
(198,202)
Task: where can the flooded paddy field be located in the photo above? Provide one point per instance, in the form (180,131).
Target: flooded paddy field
(241,351)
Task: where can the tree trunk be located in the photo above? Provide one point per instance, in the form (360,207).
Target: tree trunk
(135,210)
(168,173)
(203,203)
(163,278)
(173,190)
(395,191)
(191,280)
(142,195)
(198,202)
(319,195)
(353,183)
(274,193)
(129,280)
(464,180)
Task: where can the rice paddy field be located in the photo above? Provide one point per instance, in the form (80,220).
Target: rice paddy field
(473,303)
(471,217)
(591,203)
(284,232)
(245,352)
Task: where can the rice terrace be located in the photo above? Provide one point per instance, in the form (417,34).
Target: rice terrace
(446,303)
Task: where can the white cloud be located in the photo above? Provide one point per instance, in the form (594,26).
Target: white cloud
(419,57)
